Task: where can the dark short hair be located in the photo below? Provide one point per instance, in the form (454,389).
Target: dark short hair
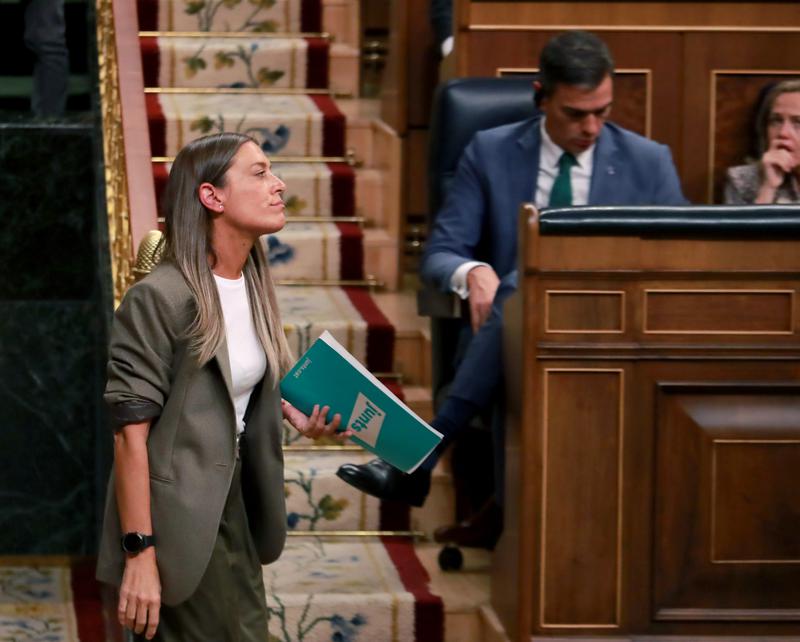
(573,58)
(791,86)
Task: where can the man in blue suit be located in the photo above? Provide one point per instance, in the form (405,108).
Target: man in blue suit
(567,155)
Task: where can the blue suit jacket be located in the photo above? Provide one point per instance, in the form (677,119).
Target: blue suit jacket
(498,171)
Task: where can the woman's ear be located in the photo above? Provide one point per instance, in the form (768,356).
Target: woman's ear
(210,197)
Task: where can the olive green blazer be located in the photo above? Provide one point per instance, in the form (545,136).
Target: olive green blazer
(191,444)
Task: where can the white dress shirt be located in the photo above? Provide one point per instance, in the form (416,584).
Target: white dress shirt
(549,155)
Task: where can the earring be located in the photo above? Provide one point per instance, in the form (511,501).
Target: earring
(220,208)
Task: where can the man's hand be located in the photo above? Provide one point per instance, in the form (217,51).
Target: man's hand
(315,426)
(482,282)
(140,594)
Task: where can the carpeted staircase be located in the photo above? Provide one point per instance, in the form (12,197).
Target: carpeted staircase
(265,68)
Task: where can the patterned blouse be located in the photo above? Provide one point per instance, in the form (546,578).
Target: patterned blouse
(742,183)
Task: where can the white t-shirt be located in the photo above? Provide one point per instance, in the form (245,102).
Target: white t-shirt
(247,359)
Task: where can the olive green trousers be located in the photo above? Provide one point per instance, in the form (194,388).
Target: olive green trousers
(229,605)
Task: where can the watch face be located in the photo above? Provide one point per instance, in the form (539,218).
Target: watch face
(132,542)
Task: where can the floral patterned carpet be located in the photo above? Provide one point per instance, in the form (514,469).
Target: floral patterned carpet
(321,589)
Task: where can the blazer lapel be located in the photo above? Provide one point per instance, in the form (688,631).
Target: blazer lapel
(224,364)
(605,171)
(524,165)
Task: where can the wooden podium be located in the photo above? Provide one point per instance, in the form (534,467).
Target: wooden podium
(652,361)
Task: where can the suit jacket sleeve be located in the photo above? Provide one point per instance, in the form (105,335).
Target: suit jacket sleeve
(458,226)
(141,352)
(668,187)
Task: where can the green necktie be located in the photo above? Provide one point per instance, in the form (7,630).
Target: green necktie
(561,194)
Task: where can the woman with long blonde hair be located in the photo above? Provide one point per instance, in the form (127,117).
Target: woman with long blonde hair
(195,501)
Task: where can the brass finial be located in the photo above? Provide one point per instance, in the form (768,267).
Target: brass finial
(150,251)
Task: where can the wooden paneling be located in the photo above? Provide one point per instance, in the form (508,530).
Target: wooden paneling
(651,478)
(718,311)
(726,510)
(603,14)
(583,431)
(691,52)
(588,311)
(755,506)
(416,171)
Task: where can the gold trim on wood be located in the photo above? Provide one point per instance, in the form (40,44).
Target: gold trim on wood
(360,220)
(294,448)
(713,529)
(414,534)
(266,91)
(364,283)
(727,615)
(712,116)
(252,35)
(283,159)
(646,315)
(635,28)
(114,167)
(549,330)
(543,533)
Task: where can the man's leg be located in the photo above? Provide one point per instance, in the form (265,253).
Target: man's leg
(473,389)
(45,36)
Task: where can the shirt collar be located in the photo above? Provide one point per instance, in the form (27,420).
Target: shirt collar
(551,153)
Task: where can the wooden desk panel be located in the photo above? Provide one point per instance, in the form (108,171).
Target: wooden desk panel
(653,440)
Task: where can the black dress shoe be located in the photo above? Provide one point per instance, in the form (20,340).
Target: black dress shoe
(382,480)
(481,530)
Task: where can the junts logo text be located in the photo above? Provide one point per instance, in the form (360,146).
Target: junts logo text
(366,420)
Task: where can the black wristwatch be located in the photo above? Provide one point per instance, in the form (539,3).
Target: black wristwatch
(136,542)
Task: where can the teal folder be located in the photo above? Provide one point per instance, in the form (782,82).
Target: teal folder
(329,375)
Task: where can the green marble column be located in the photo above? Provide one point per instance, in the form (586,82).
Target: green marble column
(54,313)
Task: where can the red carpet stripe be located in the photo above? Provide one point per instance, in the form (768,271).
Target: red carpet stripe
(148,15)
(333,126)
(343,189)
(318,64)
(151,60)
(311,16)
(160,176)
(87,601)
(380,334)
(157,125)
(351,248)
(428,608)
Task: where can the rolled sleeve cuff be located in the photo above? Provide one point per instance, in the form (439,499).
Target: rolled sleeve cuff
(458,282)
(132,412)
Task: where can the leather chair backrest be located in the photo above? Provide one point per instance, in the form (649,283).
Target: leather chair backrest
(462,107)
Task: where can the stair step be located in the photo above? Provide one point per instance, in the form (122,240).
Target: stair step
(341,19)
(214,61)
(316,251)
(412,343)
(345,69)
(365,589)
(348,314)
(275,16)
(382,257)
(318,500)
(284,125)
(465,593)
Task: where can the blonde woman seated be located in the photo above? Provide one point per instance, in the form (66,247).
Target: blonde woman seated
(775,177)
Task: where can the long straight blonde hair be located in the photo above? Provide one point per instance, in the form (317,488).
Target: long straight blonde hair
(188,246)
